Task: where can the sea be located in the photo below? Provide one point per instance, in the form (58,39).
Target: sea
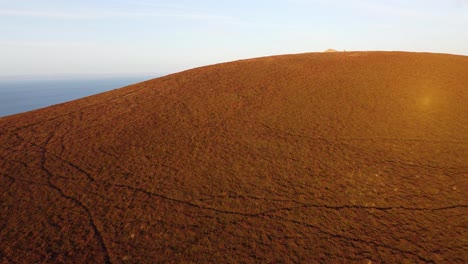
(17,96)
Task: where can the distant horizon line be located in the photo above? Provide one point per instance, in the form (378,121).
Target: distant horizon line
(64,77)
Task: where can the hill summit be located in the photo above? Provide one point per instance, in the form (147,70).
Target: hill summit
(330,50)
(298,158)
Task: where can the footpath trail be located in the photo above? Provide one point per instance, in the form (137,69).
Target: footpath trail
(347,157)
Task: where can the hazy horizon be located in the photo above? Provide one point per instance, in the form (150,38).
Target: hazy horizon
(141,37)
(77,76)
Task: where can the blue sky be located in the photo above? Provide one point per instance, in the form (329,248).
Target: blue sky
(135,37)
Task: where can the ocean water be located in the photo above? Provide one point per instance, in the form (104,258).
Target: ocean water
(17,96)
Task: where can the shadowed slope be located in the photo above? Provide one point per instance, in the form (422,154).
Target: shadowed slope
(338,157)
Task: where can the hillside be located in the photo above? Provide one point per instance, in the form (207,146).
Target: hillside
(322,157)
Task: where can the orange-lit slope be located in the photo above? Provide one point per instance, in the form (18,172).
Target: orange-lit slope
(337,157)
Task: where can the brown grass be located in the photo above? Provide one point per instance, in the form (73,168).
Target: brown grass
(337,157)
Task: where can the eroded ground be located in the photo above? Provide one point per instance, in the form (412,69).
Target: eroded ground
(313,158)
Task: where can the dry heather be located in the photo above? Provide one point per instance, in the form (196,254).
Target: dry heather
(313,158)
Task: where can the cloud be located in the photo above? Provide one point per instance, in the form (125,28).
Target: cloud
(44,44)
(50,14)
(177,14)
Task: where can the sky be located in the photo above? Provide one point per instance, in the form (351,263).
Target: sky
(142,37)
